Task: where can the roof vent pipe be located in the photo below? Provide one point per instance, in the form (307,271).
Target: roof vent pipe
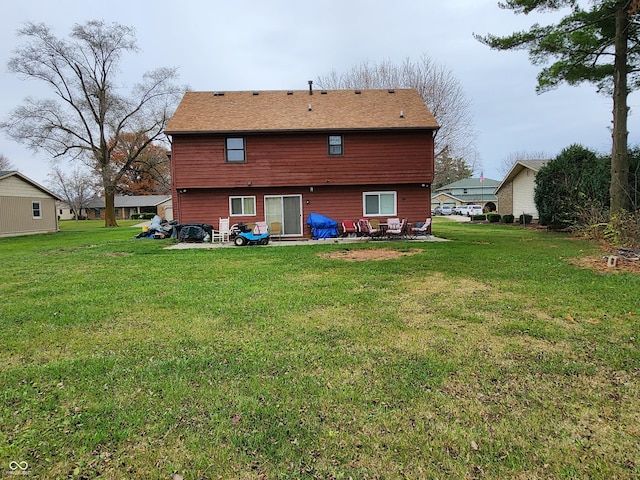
(310,87)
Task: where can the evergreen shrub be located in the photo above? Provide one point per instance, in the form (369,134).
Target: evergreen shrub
(525,218)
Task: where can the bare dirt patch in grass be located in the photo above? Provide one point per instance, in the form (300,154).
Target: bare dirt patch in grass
(369,254)
(627,260)
(600,264)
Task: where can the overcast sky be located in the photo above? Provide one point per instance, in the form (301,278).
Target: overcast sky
(281,44)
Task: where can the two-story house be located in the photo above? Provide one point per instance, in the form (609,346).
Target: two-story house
(277,156)
(468,191)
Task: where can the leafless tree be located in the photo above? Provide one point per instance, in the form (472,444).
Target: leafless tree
(510,160)
(76,188)
(5,163)
(439,88)
(90,112)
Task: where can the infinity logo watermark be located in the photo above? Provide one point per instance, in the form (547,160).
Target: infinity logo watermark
(18,468)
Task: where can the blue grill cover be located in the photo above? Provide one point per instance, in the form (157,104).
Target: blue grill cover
(321,226)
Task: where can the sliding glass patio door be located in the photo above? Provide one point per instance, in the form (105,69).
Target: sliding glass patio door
(286,209)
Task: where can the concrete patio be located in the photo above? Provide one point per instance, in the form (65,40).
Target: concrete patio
(291,243)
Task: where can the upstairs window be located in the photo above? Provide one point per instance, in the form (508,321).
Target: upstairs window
(336,145)
(235,150)
(36,210)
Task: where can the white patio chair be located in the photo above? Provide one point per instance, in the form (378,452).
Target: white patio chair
(223,232)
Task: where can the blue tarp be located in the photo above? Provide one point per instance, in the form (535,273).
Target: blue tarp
(321,226)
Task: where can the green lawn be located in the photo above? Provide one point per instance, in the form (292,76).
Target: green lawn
(490,356)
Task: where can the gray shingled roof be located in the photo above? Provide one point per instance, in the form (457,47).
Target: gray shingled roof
(534,164)
(470,183)
(129,201)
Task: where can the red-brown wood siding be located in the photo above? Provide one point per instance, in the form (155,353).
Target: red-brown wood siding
(337,202)
(274,160)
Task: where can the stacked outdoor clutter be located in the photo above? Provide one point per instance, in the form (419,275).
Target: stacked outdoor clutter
(194,232)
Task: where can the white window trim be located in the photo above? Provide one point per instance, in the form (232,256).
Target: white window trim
(395,204)
(36,217)
(243,214)
(227,150)
(341,144)
(293,195)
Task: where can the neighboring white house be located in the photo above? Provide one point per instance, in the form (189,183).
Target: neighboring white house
(64,211)
(516,192)
(25,206)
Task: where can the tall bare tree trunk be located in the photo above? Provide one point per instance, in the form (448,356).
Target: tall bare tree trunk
(619,198)
(109,203)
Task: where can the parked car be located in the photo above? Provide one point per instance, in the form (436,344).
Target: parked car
(474,210)
(444,210)
(460,210)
